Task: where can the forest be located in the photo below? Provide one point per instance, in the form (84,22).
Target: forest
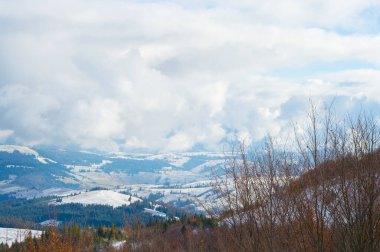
(21,213)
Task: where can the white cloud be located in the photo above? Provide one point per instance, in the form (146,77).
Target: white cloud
(4,134)
(173,75)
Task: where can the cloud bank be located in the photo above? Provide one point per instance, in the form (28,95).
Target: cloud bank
(179,75)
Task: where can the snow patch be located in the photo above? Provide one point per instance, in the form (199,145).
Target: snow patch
(11,235)
(21,149)
(26,151)
(211,163)
(155,213)
(51,223)
(92,167)
(118,244)
(101,197)
(173,159)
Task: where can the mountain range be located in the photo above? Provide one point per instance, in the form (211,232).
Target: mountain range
(171,177)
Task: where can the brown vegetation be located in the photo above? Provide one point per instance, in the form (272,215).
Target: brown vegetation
(322,197)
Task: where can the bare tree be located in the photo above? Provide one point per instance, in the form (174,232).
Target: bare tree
(323,196)
(251,188)
(356,209)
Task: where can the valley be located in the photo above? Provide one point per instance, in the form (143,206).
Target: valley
(58,179)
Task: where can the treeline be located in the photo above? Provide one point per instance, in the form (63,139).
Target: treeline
(187,233)
(22,213)
(17,222)
(69,238)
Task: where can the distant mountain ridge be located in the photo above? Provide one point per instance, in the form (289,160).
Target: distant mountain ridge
(26,151)
(32,172)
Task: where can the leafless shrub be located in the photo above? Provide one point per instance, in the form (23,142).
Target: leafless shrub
(324,196)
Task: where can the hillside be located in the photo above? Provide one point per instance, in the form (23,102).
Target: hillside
(100,197)
(11,235)
(29,173)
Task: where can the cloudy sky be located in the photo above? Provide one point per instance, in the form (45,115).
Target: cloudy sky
(179,75)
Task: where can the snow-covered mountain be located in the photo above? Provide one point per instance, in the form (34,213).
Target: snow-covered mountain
(25,151)
(29,173)
(23,168)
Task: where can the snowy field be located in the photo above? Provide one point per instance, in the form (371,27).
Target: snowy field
(100,197)
(10,235)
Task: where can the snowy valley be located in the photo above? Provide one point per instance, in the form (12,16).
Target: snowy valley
(151,183)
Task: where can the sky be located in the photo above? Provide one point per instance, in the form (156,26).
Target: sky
(180,75)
